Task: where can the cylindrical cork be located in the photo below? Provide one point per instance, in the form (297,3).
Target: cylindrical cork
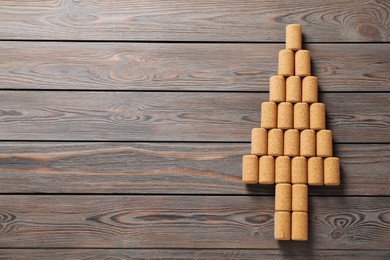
(301,116)
(259,141)
(285,115)
(300,197)
(250,169)
(298,170)
(293,89)
(310,89)
(286,63)
(266,170)
(277,89)
(268,115)
(299,226)
(282,169)
(324,143)
(302,63)
(308,143)
(275,142)
(317,116)
(283,197)
(331,171)
(291,142)
(282,225)
(315,171)
(293,37)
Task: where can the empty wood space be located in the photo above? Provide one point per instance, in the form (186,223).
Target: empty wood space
(123,125)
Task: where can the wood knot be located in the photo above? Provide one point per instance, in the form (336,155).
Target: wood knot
(6,217)
(369,31)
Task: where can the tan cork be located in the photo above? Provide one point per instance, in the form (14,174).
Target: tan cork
(308,143)
(277,89)
(266,170)
(285,115)
(268,115)
(282,169)
(259,141)
(324,143)
(291,142)
(286,63)
(293,89)
(250,169)
(298,170)
(275,142)
(310,89)
(282,225)
(317,116)
(315,171)
(283,197)
(293,37)
(302,63)
(331,171)
(300,197)
(301,116)
(299,226)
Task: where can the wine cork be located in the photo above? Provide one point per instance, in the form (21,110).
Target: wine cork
(282,169)
(298,170)
(302,63)
(310,89)
(266,170)
(277,89)
(317,116)
(324,143)
(315,171)
(293,89)
(300,197)
(291,142)
(285,115)
(308,143)
(331,171)
(282,225)
(268,115)
(259,141)
(275,142)
(299,226)
(286,63)
(283,197)
(301,116)
(250,169)
(293,37)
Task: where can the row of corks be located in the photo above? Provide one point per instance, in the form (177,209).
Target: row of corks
(292,142)
(286,115)
(315,171)
(293,89)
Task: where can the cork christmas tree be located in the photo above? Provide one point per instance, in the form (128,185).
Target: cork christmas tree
(292,149)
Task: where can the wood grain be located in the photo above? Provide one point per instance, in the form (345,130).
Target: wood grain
(122,254)
(217,20)
(173,116)
(186,222)
(188,67)
(168,168)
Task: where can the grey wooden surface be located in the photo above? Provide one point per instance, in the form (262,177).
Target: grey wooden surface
(123,123)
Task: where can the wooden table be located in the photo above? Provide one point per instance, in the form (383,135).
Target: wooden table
(122,127)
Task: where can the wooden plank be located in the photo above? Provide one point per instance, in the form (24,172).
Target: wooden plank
(186,222)
(168,168)
(217,20)
(119,254)
(188,67)
(173,116)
